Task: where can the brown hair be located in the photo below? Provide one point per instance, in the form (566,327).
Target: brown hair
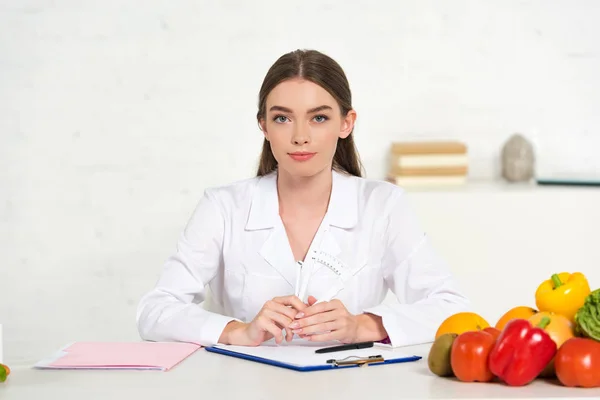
(325,72)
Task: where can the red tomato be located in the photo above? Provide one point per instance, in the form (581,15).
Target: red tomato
(495,332)
(577,363)
(469,356)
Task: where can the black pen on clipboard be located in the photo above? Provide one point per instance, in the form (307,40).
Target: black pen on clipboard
(344,347)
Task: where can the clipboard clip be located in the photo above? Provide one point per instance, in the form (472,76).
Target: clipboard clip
(354,360)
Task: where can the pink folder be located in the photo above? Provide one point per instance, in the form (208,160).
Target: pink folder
(134,355)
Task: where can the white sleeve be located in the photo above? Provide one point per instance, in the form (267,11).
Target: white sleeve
(426,290)
(169,312)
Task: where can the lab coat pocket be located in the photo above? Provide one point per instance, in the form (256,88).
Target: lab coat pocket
(369,286)
(363,287)
(325,285)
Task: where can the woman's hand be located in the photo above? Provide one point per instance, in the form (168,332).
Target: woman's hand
(331,320)
(275,315)
(326,321)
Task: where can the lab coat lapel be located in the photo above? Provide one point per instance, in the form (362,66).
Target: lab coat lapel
(340,219)
(264,215)
(333,233)
(343,202)
(277,252)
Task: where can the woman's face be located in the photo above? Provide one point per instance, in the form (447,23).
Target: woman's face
(302,124)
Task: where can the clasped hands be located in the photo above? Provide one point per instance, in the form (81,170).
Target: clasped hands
(314,321)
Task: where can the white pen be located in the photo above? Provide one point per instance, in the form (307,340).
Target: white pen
(303,282)
(298,279)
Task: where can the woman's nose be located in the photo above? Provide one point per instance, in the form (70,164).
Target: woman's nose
(301,135)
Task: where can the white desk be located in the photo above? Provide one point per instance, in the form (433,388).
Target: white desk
(208,375)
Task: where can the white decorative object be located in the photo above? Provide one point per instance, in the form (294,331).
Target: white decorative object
(518,159)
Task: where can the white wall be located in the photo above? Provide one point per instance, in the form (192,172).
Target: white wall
(114,116)
(503,240)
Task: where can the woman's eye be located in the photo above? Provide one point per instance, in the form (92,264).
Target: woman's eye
(280,119)
(321,118)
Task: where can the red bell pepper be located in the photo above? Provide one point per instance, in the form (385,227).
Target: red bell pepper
(521,352)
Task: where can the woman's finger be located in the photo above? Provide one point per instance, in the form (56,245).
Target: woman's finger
(320,328)
(292,301)
(281,309)
(289,334)
(319,308)
(326,316)
(282,320)
(267,325)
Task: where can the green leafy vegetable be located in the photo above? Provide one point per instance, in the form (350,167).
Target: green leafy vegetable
(2,374)
(587,318)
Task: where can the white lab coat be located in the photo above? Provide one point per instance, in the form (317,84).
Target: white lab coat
(235,242)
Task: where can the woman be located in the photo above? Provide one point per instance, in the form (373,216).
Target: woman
(307,247)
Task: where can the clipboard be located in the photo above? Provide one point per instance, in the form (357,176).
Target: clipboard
(346,359)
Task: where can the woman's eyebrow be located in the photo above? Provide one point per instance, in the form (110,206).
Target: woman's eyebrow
(280,108)
(312,110)
(320,108)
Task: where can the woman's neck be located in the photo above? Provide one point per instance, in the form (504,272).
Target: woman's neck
(304,197)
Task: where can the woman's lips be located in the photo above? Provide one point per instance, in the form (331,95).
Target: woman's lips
(302,156)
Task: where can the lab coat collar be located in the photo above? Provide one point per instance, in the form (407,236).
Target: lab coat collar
(342,211)
(343,204)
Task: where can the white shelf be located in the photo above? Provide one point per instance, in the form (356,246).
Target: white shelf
(498,186)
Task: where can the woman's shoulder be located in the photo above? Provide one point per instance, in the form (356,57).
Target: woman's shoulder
(238,194)
(376,189)
(383,202)
(238,189)
(373,196)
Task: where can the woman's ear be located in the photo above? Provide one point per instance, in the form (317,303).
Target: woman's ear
(348,124)
(263,127)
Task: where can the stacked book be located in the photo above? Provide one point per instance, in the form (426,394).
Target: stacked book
(428,163)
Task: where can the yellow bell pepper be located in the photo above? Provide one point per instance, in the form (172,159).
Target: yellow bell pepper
(563,293)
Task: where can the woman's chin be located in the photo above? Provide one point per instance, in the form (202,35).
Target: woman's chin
(304,170)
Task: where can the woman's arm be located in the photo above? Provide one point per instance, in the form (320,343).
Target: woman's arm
(370,328)
(169,312)
(426,289)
